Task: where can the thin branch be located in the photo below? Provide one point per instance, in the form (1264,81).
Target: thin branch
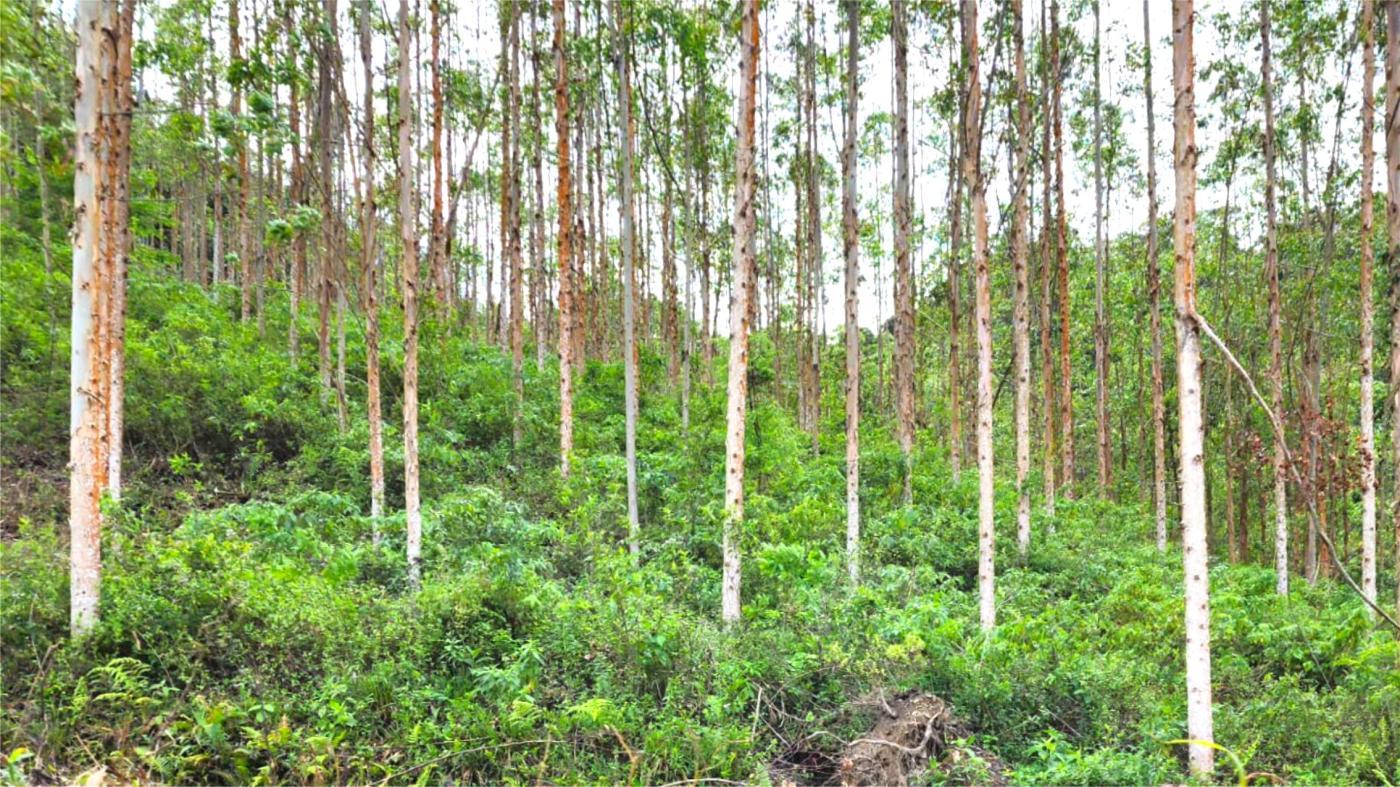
(1292,466)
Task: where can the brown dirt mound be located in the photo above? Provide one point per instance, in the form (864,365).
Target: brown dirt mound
(910,733)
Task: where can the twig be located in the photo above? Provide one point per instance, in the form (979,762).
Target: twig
(915,750)
(888,710)
(1279,434)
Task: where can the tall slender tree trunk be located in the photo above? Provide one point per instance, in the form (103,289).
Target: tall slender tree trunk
(567,285)
(245,253)
(972,174)
(516,326)
(1062,257)
(120,210)
(216,273)
(1199,725)
(691,257)
(903,287)
(629,337)
(298,268)
(850,226)
(540,278)
(408,235)
(369,250)
(815,267)
(1100,283)
(437,255)
(744,264)
(955,224)
(1392,223)
(1020,310)
(1047,258)
(499,327)
(1154,297)
(1271,273)
(670,317)
(1367,416)
(101,168)
(326,256)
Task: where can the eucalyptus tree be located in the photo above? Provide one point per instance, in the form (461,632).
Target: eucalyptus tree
(739,312)
(1271,274)
(1367,415)
(1047,257)
(510,224)
(437,240)
(237,69)
(1020,314)
(1392,225)
(1066,394)
(903,287)
(626,184)
(1199,726)
(1154,295)
(408,238)
(101,242)
(850,226)
(369,249)
(1105,463)
(977,190)
(564,200)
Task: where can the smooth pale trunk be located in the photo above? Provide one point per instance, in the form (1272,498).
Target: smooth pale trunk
(1154,286)
(629,334)
(1020,310)
(1271,273)
(972,174)
(94,248)
(1047,366)
(1392,221)
(1199,725)
(516,327)
(368,252)
(744,232)
(850,233)
(413,517)
(1367,414)
(1100,285)
(565,234)
(903,287)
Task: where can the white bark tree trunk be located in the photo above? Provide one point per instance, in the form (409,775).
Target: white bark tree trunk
(1392,222)
(744,263)
(567,286)
(1020,310)
(850,226)
(1154,288)
(1367,415)
(629,333)
(972,175)
(368,256)
(413,516)
(903,287)
(1199,726)
(1100,285)
(99,184)
(1275,332)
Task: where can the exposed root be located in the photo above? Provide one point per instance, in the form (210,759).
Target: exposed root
(910,734)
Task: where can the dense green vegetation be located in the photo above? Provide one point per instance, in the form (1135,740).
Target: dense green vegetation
(250,630)
(253,622)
